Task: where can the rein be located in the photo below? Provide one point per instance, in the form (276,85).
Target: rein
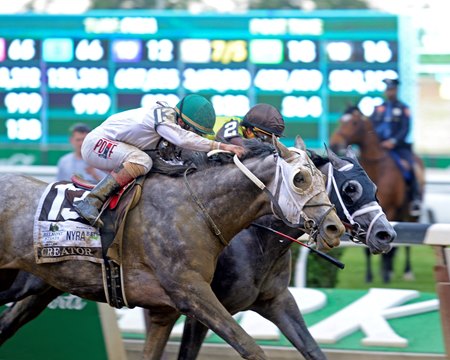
(327,257)
(373,160)
(215,229)
(309,225)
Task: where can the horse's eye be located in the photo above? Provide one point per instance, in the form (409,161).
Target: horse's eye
(301,181)
(352,191)
(351,188)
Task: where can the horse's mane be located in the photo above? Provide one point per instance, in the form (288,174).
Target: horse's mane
(317,159)
(351,108)
(198,161)
(255,148)
(320,160)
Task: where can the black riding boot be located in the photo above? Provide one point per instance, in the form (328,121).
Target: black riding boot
(415,205)
(89,207)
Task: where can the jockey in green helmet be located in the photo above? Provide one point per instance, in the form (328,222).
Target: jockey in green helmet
(118,145)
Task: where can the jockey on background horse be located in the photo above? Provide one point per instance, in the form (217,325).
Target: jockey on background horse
(118,145)
(392,121)
(261,121)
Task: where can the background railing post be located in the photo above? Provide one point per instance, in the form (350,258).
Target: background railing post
(441,272)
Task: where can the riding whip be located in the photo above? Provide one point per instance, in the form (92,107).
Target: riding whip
(327,257)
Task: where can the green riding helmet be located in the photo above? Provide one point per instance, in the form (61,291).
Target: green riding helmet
(265,117)
(197,112)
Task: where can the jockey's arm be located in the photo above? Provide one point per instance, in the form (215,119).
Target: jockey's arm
(191,141)
(399,137)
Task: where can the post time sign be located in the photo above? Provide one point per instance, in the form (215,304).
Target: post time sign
(58,70)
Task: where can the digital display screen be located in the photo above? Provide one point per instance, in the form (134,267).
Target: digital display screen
(87,67)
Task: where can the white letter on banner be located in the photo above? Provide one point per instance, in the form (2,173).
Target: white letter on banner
(369,314)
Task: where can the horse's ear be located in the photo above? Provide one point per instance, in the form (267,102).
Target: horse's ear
(299,143)
(350,153)
(335,160)
(282,150)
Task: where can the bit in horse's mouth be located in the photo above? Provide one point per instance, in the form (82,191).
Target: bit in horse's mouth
(323,245)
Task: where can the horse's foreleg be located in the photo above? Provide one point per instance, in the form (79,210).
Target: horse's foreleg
(369,275)
(284,312)
(159,325)
(199,301)
(24,284)
(13,318)
(387,265)
(408,273)
(7,278)
(194,333)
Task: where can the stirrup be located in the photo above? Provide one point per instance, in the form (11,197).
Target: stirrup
(96,222)
(415,208)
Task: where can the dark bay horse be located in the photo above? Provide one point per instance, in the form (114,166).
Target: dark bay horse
(356,129)
(166,235)
(253,273)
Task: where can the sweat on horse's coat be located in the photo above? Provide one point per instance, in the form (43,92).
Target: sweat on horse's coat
(167,276)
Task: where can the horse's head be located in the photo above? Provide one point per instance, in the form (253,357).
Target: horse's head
(299,189)
(354,194)
(352,129)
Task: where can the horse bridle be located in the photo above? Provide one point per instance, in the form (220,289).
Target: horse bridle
(357,234)
(359,130)
(308,225)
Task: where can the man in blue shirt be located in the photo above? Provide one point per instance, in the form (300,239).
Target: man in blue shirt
(73,164)
(392,121)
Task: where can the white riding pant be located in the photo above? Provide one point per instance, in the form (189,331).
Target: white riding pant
(105,154)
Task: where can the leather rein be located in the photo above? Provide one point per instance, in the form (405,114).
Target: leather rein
(308,226)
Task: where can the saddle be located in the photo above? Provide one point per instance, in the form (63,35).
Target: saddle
(403,165)
(414,175)
(114,214)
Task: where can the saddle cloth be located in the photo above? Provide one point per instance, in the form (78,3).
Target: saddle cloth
(61,234)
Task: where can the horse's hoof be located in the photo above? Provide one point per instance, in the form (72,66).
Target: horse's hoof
(409,276)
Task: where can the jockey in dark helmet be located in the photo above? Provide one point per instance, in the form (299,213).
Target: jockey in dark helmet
(261,121)
(118,144)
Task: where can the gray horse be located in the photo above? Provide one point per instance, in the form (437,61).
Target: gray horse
(243,282)
(166,235)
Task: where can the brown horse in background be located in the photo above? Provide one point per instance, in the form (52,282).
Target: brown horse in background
(356,129)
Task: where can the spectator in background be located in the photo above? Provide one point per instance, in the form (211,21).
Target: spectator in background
(392,122)
(73,164)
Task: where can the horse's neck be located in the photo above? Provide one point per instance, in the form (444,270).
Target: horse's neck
(231,200)
(370,145)
(372,154)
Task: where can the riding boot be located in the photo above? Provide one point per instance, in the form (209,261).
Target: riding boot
(89,207)
(415,205)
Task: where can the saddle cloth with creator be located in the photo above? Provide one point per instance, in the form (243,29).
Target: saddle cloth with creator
(61,234)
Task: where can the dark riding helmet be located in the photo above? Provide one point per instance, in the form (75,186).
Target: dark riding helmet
(391,83)
(264,117)
(197,112)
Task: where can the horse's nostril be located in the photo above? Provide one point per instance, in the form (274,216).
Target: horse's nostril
(333,229)
(385,236)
